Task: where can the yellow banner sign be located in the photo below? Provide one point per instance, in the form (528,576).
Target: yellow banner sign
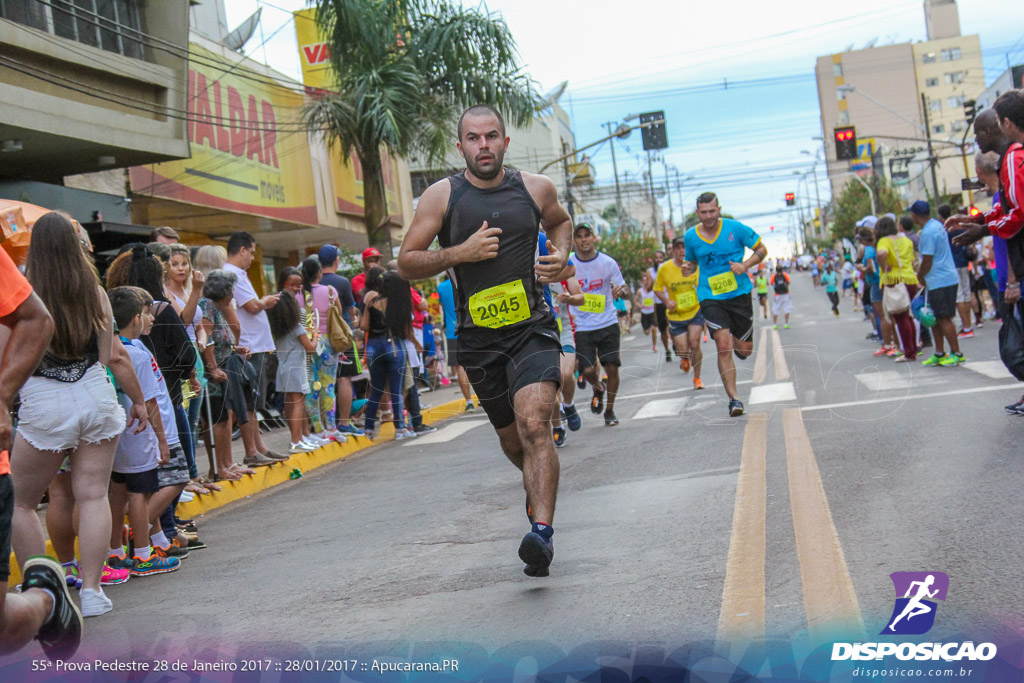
(250,150)
(314,55)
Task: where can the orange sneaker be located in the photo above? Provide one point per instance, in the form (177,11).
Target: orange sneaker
(684,364)
(697,384)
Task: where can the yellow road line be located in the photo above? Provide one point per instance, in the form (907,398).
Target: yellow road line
(779,359)
(743,597)
(761,362)
(830,600)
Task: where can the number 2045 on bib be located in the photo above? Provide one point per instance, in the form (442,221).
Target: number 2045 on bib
(500,305)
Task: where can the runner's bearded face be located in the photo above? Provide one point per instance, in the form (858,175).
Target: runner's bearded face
(483,146)
(709,214)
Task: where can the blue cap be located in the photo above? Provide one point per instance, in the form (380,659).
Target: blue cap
(921,208)
(328,254)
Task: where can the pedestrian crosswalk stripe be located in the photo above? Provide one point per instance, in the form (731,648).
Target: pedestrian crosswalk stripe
(761,362)
(772,393)
(669,407)
(885,380)
(447,433)
(990,368)
(779,357)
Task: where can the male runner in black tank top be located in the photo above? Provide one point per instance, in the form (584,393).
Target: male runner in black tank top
(487,220)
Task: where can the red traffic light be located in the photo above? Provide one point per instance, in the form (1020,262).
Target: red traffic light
(844,134)
(790,196)
(772,228)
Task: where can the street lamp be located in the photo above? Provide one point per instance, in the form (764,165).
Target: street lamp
(817,195)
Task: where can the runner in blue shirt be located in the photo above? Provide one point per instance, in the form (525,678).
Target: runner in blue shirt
(717,245)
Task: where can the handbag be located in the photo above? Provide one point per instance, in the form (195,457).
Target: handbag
(339,334)
(896,297)
(1011,343)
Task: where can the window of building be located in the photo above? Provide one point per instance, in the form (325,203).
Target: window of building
(955,101)
(112,25)
(844,118)
(955,77)
(950,54)
(837,69)
(935,105)
(938,128)
(928,57)
(931,82)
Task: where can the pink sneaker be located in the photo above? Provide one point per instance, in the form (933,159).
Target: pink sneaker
(445,381)
(112,577)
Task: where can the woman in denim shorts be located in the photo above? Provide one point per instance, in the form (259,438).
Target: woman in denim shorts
(69,406)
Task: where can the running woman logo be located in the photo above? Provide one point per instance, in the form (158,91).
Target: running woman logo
(914,612)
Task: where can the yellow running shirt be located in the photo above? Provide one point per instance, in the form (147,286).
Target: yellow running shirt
(681,288)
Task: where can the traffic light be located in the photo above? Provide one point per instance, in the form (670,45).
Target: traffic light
(790,199)
(970,111)
(772,228)
(654,136)
(846,143)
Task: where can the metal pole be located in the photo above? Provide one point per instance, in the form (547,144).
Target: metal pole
(668,192)
(931,153)
(615,170)
(568,183)
(874,207)
(817,199)
(682,209)
(650,185)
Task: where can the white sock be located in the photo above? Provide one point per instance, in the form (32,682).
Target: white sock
(566,405)
(116,552)
(53,605)
(160,540)
(144,553)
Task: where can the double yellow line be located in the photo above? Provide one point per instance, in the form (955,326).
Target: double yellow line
(830,601)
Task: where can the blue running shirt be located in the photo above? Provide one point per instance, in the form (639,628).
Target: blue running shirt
(713,259)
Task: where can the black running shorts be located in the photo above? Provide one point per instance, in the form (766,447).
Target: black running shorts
(662,314)
(943,301)
(735,314)
(647,320)
(137,482)
(594,345)
(530,357)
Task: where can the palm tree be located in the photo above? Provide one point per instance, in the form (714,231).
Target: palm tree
(404,70)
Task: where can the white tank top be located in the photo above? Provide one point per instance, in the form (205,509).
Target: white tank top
(647,301)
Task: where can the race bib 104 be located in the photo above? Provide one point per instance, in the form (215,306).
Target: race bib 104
(500,305)
(723,283)
(593,303)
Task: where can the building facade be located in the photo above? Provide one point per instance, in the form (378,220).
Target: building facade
(889,92)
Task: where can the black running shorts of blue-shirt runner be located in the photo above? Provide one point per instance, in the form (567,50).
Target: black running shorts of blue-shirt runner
(507,336)
(725,302)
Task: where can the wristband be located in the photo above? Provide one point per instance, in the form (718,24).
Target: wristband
(1013,285)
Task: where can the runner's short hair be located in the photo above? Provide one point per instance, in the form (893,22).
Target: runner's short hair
(128,302)
(477,110)
(163,231)
(707,198)
(1010,105)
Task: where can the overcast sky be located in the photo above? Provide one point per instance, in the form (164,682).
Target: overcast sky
(622,58)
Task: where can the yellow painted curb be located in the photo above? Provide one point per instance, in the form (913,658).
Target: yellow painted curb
(274,475)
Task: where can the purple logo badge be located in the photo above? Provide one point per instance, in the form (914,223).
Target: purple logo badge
(914,611)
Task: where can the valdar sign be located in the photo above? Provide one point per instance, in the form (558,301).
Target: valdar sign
(228,124)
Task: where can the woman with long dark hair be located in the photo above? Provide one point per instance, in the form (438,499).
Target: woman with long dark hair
(316,300)
(387,318)
(69,407)
(895,253)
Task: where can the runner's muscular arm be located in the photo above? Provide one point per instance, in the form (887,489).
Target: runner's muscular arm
(417,261)
(557,225)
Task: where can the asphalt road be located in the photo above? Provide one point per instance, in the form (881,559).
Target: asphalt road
(670,528)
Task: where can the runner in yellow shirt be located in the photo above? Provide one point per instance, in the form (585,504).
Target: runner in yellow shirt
(685,323)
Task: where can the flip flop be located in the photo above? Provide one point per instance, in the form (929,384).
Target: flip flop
(229,475)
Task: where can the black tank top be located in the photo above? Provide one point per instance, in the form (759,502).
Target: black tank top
(501,310)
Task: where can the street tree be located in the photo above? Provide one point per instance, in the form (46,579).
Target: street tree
(634,254)
(403,71)
(854,203)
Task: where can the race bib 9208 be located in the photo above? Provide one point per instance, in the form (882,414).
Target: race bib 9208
(500,305)
(723,283)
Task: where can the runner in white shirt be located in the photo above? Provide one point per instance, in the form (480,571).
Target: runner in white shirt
(564,294)
(597,328)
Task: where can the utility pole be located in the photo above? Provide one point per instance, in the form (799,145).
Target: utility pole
(654,203)
(668,192)
(568,181)
(931,153)
(682,206)
(615,170)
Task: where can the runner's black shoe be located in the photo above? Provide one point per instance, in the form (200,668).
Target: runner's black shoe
(62,633)
(581,382)
(558,434)
(609,419)
(597,402)
(735,408)
(668,356)
(537,552)
(572,418)
(1014,408)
